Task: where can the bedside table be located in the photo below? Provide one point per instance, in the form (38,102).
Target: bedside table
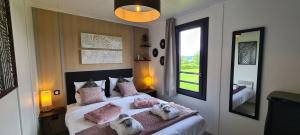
(53,122)
(150,92)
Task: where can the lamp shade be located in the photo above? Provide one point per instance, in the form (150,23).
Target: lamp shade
(46,98)
(148,81)
(137,10)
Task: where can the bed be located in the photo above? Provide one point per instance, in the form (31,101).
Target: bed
(244,95)
(75,121)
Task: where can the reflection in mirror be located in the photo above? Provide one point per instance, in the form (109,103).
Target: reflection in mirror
(246,72)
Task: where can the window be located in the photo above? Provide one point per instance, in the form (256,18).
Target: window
(192,43)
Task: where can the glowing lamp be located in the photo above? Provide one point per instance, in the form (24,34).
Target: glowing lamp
(148,81)
(137,10)
(46,99)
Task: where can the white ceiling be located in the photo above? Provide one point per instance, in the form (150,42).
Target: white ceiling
(103,9)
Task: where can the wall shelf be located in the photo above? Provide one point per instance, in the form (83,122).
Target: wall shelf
(142,60)
(145,45)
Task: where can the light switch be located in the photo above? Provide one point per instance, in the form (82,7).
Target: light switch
(56,92)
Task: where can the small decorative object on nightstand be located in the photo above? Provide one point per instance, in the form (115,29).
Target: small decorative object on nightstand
(53,122)
(150,92)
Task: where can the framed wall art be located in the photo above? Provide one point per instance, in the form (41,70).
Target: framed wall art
(101,49)
(8,74)
(247,53)
(96,41)
(101,57)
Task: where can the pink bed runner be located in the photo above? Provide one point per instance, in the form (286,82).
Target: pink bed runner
(150,122)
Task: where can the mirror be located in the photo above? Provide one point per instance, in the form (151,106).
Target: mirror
(246,62)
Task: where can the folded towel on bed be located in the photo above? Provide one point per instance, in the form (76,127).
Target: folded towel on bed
(145,103)
(126,125)
(165,111)
(104,114)
(151,123)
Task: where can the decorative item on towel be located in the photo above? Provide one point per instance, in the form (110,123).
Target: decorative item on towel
(126,125)
(165,111)
(170,60)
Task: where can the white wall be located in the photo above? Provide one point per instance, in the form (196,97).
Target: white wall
(281,62)
(208,109)
(19,108)
(246,72)
(10,119)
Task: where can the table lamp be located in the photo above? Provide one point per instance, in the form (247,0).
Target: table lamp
(148,82)
(46,100)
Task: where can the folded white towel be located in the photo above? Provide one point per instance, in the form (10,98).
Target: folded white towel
(126,125)
(166,112)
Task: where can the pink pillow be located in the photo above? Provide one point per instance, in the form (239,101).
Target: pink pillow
(91,95)
(145,103)
(104,114)
(127,89)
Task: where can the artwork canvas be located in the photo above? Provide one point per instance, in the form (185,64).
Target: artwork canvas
(247,53)
(100,56)
(100,41)
(8,75)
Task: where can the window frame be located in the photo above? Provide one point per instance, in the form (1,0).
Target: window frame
(204,24)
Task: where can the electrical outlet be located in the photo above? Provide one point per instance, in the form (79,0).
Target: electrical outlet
(56,92)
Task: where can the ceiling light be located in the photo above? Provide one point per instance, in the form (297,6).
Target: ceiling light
(137,10)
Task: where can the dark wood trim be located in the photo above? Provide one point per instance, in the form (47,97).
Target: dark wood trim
(189,82)
(204,24)
(259,72)
(191,73)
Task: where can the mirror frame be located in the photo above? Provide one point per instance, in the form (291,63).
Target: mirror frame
(259,70)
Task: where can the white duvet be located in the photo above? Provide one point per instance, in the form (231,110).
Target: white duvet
(241,97)
(75,121)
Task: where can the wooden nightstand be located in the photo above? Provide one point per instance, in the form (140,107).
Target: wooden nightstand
(150,92)
(53,122)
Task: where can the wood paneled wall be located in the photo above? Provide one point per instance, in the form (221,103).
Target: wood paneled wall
(58,47)
(141,68)
(74,25)
(48,52)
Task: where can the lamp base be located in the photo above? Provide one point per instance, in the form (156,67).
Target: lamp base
(46,109)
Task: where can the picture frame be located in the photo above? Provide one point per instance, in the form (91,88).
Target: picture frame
(247,53)
(8,72)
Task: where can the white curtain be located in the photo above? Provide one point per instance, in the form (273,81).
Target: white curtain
(170,72)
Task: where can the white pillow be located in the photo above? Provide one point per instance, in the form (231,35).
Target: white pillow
(112,85)
(78,85)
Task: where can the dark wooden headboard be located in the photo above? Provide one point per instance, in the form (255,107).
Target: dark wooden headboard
(72,77)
